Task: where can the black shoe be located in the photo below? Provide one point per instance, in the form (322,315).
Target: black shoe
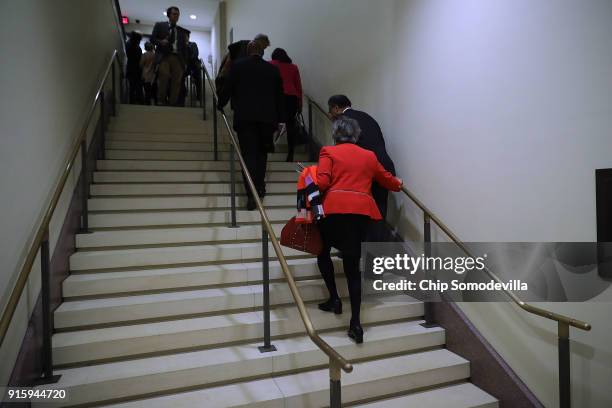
(332,305)
(251,205)
(355,332)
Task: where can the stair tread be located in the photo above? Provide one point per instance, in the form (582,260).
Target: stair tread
(233,354)
(463,395)
(311,388)
(170,235)
(199,323)
(169,255)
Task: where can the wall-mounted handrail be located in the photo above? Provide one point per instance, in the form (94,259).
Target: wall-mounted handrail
(333,355)
(563,322)
(42,233)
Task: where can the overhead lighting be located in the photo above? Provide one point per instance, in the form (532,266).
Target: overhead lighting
(193,16)
(165,14)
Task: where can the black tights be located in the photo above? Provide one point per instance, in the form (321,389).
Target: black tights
(344,232)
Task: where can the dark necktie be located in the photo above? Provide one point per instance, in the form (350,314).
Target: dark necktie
(172,37)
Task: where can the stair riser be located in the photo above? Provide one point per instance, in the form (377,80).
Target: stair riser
(177,127)
(114,144)
(169,144)
(255,364)
(184,218)
(168,155)
(175,203)
(184,177)
(168,165)
(285,322)
(170,236)
(206,137)
(215,300)
(182,189)
(171,256)
(108,283)
(385,386)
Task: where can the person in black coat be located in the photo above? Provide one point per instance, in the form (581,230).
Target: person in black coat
(255,88)
(371,138)
(133,71)
(236,50)
(171,43)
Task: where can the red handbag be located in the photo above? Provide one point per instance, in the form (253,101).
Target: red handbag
(301,236)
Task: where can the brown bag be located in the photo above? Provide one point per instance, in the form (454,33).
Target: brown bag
(303,237)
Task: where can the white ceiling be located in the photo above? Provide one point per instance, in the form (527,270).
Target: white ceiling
(151,11)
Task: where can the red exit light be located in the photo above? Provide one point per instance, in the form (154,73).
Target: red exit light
(125,20)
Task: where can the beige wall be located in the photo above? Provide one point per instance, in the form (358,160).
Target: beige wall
(53,57)
(496,112)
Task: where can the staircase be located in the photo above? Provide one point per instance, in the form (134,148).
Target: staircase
(163,307)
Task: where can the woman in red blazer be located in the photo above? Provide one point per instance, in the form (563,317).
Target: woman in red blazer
(292,88)
(344,176)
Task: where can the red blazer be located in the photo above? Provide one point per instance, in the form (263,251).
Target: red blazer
(344,175)
(292,83)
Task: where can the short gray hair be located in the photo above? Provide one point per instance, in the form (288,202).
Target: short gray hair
(345,129)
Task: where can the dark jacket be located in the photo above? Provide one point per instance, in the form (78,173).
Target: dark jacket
(237,50)
(371,137)
(161,31)
(256,90)
(134,53)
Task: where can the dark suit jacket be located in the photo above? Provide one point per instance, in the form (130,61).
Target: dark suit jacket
(256,90)
(161,31)
(371,137)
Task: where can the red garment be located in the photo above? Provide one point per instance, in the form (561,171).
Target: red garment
(292,84)
(344,176)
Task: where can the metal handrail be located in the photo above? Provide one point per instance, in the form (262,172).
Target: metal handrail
(11,306)
(333,355)
(522,304)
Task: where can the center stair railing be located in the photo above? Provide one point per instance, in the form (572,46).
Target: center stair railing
(337,363)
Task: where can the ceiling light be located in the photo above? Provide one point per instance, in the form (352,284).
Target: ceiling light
(192,16)
(164,13)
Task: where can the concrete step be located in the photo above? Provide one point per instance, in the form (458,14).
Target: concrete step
(139,308)
(185,217)
(160,125)
(183,176)
(116,143)
(165,145)
(208,137)
(129,379)
(183,202)
(182,165)
(186,155)
(171,255)
(131,341)
(183,188)
(310,389)
(101,239)
(164,279)
(463,395)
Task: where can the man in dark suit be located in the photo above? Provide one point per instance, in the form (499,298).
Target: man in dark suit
(170,42)
(256,90)
(371,138)
(236,51)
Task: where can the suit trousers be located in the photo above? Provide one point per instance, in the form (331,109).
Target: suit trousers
(344,232)
(255,142)
(376,230)
(170,75)
(291,108)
